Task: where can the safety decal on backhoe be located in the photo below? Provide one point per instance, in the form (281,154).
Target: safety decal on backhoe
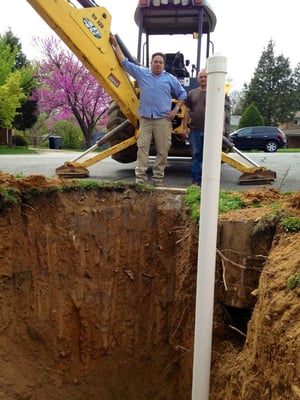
(115,81)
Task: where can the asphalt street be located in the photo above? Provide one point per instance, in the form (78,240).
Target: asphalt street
(286,166)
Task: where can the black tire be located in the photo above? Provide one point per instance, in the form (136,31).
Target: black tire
(115,118)
(271,146)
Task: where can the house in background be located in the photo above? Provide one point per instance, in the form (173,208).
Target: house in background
(234,122)
(292,131)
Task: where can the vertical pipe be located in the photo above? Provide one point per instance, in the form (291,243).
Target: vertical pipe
(147,51)
(140,36)
(208,224)
(200,31)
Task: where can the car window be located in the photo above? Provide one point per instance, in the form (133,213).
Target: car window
(263,131)
(258,131)
(245,132)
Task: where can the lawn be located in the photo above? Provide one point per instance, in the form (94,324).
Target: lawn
(16,150)
(296,150)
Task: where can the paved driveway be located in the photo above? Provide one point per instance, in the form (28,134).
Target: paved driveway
(286,165)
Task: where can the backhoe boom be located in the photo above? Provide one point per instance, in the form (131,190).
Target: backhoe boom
(86,32)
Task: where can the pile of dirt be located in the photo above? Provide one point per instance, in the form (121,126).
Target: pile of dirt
(39,182)
(97,297)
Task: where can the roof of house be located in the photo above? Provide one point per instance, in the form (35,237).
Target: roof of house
(297,115)
(292,131)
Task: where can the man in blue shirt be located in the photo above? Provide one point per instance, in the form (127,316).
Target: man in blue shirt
(157,88)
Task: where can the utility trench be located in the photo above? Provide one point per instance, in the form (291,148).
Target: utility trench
(97,298)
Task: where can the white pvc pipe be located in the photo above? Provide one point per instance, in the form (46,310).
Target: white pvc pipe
(208,225)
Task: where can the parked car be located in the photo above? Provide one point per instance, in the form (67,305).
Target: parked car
(267,138)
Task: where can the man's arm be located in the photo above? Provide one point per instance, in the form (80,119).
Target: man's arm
(118,51)
(185,122)
(179,104)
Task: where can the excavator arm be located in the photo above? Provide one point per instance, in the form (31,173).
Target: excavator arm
(86,32)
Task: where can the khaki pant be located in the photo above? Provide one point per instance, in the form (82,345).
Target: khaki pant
(161,131)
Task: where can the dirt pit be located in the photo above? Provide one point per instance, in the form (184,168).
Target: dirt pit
(97,295)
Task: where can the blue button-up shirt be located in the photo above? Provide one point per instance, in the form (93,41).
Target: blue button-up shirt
(156,91)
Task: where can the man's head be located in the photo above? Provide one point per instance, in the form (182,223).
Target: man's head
(158,61)
(202,79)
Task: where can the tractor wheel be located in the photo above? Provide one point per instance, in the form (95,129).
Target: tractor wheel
(115,118)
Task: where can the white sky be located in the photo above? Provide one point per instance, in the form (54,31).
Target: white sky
(244,29)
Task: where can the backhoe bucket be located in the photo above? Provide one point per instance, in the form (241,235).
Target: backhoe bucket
(255,175)
(72,170)
(259,177)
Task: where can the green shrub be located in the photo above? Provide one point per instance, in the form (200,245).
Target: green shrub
(19,140)
(71,134)
(251,117)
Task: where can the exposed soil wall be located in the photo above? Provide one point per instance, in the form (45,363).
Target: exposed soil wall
(97,293)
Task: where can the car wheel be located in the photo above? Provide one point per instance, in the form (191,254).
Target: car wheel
(271,146)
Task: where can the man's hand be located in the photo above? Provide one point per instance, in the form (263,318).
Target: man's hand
(185,133)
(171,115)
(113,40)
(117,49)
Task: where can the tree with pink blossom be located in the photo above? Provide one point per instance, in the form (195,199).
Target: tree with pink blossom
(68,89)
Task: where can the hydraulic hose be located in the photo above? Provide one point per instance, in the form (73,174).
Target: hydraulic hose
(87,3)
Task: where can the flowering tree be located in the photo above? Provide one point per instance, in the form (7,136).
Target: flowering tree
(67,88)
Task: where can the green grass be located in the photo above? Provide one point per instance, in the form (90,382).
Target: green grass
(16,150)
(294,150)
(291,224)
(227,201)
(297,150)
(293,282)
(24,150)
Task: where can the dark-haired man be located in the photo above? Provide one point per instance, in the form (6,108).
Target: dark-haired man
(157,88)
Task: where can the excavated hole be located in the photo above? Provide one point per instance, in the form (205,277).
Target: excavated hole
(237,320)
(97,294)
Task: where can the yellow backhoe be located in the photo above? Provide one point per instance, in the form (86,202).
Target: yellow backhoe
(86,30)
